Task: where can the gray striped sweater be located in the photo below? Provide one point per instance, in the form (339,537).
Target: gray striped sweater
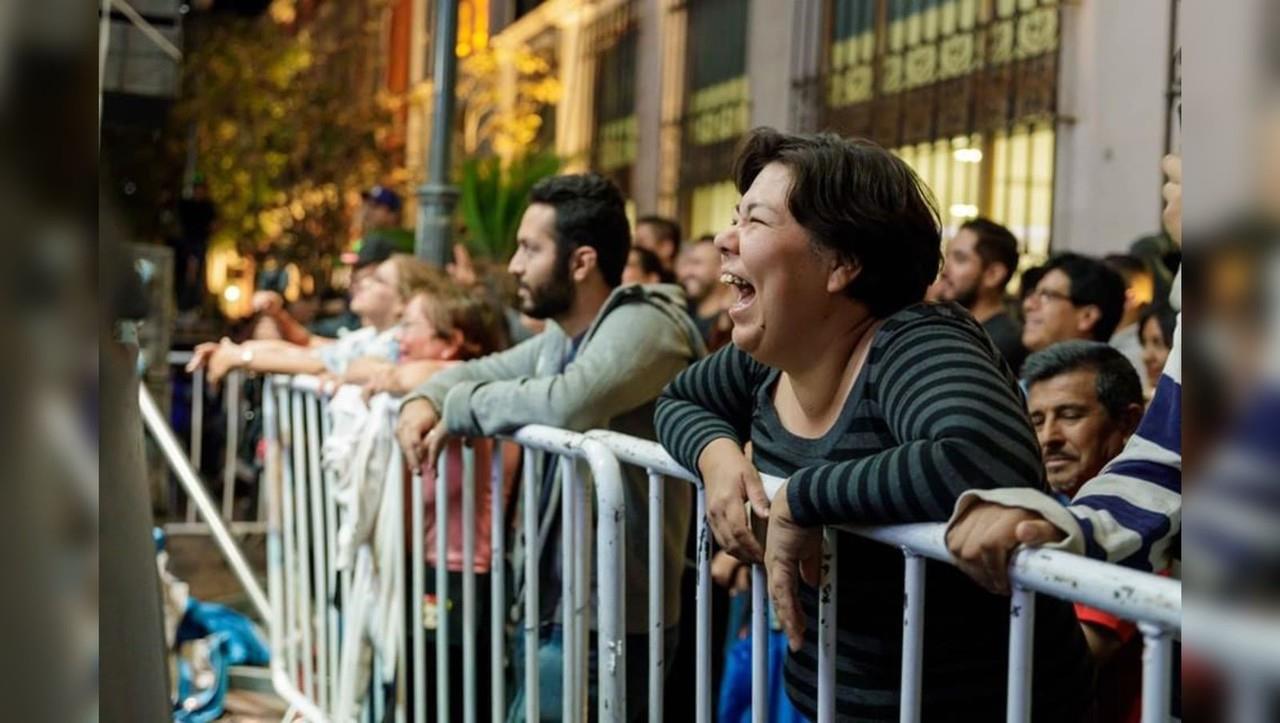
(934,412)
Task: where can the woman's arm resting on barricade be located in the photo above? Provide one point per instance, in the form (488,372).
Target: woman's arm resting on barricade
(703,417)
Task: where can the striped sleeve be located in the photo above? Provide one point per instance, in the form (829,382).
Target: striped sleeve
(711,399)
(959,425)
(1130,514)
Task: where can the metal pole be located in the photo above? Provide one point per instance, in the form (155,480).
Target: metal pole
(331,560)
(657,623)
(827,630)
(416,574)
(235,381)
(759,646)
(305,620)
(569,692)
(164,437)
(912,639)
(1022,619)
(197,429)
(1157,659)
(318,550)
(531,551)
(702,681)
(468,583)
(442,584)
(287,530)
(497,589)
(435,196)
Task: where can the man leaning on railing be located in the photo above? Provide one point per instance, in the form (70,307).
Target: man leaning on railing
(605,355)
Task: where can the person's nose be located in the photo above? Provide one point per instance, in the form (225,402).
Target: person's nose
(516,266)
(1050,434)
(727,242)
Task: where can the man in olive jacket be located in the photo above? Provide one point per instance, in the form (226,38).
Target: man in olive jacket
(605,355)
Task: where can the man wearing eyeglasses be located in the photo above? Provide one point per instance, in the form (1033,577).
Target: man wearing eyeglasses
(1077,298)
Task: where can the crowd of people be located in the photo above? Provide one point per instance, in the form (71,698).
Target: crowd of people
(826,337)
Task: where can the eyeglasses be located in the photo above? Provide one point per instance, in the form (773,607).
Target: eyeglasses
(1046,295)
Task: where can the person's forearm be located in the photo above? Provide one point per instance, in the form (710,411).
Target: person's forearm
(291,330)
(366,369)
(281,361)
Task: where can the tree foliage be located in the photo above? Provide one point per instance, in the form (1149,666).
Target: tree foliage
(286,123)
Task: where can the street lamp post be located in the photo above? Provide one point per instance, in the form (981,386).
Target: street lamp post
(436,197)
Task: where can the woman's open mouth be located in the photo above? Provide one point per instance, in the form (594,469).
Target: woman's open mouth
(746,292)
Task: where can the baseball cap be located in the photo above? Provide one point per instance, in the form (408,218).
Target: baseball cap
(373,250)
(383,196)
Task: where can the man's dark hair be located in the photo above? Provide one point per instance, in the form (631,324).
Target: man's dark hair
(665,228)
(589,212)
(651,264)
(1093,283)
(995,244)
(1117,381)
(860,201)
(1027,283)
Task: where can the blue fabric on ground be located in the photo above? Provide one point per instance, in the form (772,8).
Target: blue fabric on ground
(734,705)
(233,640)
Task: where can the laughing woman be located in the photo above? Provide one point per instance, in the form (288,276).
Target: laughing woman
(875,408)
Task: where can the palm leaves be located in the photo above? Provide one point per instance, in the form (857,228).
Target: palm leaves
(493,198)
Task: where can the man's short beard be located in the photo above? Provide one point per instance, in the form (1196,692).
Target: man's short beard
(554,297)
(967,298)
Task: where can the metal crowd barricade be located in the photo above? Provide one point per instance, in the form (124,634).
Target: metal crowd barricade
(307,625)
(1154,602)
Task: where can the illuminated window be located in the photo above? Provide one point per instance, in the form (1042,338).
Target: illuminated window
(711,208)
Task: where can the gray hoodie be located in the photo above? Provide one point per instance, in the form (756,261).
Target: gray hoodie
(641,338)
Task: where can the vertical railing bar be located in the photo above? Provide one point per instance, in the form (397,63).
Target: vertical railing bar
(375,691)
(304,545)
(442,584)
(702,713)
(197,429)
(468,584)
(1250,697)
(611,572)
(289,542)
(913,601)
(569,630)
(331,560)
(827,629)
(531,550)
(417,587)
(759,647)
(396,462)
(318,550)
(1022,616)
(497,590)
(234,382)
(1157,667)
(582,592)
(657,576)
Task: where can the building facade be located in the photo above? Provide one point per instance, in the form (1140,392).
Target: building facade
(1049,116)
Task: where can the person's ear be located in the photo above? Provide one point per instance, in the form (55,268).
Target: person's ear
(1086,318)
(1131,418)
(993,273)
(843,271)
(581,262)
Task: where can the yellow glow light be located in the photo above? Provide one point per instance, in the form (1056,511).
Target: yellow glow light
(968,155)
(231,294)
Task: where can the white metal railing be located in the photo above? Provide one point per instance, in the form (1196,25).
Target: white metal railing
(234,414)
(305,619)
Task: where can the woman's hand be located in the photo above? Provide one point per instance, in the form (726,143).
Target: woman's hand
(730,481)
(792,553)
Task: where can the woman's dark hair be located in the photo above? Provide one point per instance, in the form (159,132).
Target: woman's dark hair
(590,211)
(1165,316)
(862,202)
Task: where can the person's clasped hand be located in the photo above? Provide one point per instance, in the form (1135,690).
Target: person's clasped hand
(730,481)
(791,553)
